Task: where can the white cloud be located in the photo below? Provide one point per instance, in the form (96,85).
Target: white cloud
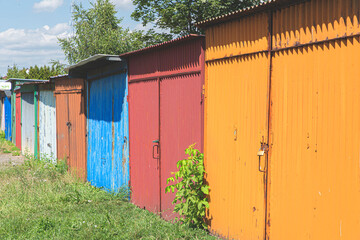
(27,47)
(127,4)
(47,5)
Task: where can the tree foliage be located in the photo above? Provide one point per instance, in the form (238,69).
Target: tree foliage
(179,16)
(97,30)
(35,72)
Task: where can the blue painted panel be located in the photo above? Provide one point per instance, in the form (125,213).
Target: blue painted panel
(8,129)
(108,133)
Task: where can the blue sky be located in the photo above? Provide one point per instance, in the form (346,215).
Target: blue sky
(29,29)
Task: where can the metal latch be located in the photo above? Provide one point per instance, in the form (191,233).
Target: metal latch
(156,146)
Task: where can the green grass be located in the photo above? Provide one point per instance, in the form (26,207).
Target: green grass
(40,200)
(7,146)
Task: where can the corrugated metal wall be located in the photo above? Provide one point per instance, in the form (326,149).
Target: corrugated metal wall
(144,129)
(62,133)
(13,116)
(314,163)
(181,124)
(3,114)
(165,87)
(71,123)
(7,109)
(47,124)
(108,132)
(28,123)
(312,187)
(236,102)
(18,119)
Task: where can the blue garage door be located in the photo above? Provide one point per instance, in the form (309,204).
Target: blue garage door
(7,106)
(108,133)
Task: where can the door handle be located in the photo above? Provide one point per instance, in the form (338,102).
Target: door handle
(262,151)
(156,145)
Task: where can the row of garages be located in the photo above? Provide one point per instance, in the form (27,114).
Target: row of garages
(270,95)
(151,99)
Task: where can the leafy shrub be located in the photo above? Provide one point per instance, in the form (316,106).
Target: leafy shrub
(191,201)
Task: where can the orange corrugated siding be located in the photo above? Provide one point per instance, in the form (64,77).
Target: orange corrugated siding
(316,20)
(314,189)
(243,36)
(313,181)
(236,123)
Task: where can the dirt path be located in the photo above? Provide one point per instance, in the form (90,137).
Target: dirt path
(7,158)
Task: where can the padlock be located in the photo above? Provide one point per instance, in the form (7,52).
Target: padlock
(261,152)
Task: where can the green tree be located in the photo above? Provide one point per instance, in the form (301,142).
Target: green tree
(141,39)
(57,68)
(15,72)
(97,30)
(35,72)
(179,16)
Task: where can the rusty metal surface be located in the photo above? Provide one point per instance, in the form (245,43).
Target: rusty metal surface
(18,119)
(62,133)
(77,134)
(71,123)
(179,64)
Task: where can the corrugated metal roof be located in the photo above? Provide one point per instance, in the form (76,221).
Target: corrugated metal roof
(25,80)
(59,76)
(164,44)
(81,68)
(33,83)
(247,11)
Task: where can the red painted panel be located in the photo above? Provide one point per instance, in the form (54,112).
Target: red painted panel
(180,126)
(18,119)
(144,129)
(179,66)
(180,58)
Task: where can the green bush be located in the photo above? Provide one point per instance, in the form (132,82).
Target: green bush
(191,201)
